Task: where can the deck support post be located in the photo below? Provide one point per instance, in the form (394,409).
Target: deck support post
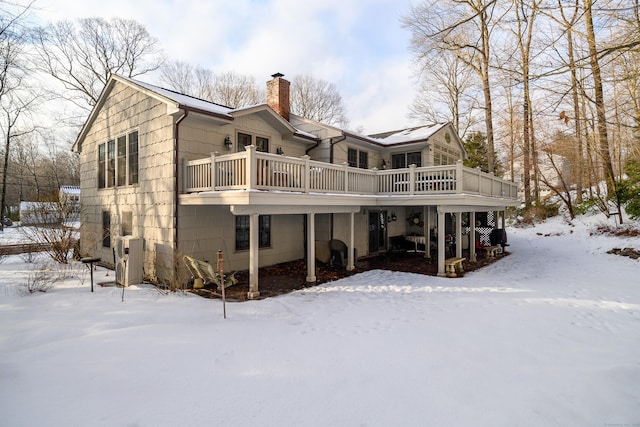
(441,232)
(472,236)
(254,227)
(311,248)
(459,234)
(427,232)
(352,249)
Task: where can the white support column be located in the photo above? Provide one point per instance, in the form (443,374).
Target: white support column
(253,256)
(504,220)
(311,248)
(425,230)
(472,236)
(441,228)
(459,234)
(352,241)
(427,234)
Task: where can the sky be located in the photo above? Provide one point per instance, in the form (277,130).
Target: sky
(358,45)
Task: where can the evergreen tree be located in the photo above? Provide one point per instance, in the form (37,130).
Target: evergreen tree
(478,153)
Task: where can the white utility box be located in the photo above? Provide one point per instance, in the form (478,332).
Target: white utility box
(129,253)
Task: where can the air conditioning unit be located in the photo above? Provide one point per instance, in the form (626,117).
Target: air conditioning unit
(128,260)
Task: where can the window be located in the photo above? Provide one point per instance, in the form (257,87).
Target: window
(357,158)
(444,156)
(133,158)
(111,163)
(127,224)
(352,157)
(242,232)
(262,144)
(363,160)
(244,140)
(403,160)
(414,159)
(118,161)
(122,161)
(102,165)
(106,229)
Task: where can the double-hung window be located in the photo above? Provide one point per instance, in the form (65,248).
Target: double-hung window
(242,232)
(118,161)
(358,159)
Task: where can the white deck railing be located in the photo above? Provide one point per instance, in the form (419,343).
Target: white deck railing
(252,169)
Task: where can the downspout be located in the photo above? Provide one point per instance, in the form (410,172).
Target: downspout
(176,165)
(314,146)
(333,141)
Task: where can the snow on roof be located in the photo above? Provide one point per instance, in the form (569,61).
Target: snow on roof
(185,100)
(415,134)
(202,105)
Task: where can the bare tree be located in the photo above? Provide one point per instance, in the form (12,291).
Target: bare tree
(230,89)
(53,226)
(463,26)
(12,108)
(83,55)
(179,76)
(446,94)
(317,99)
(236,90)
(15,99)
(568,23)
(525,17)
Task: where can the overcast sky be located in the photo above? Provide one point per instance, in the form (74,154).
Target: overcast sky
(358,45)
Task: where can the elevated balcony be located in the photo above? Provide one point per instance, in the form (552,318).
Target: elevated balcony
(254,170)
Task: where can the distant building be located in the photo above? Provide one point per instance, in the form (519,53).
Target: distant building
(69,196)
(66,209)
(39,213)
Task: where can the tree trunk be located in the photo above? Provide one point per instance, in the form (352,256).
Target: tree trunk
(5,167)
(605,155)
(486,89)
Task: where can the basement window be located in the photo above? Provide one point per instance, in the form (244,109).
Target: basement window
(242,232)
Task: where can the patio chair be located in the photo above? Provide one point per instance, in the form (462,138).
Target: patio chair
(204,271)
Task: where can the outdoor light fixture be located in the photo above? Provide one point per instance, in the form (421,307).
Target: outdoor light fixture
(227,142)
(392,218)
(280,151)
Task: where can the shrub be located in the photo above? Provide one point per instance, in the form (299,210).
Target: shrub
(37,281)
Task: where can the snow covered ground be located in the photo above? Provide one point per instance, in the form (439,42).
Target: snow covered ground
(548,336)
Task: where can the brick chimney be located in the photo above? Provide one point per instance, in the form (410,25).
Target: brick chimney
(278,95)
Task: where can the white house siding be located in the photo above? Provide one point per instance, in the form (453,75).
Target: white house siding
(200,138)
(206,229)
(323,132)
(151,201)
(202,230)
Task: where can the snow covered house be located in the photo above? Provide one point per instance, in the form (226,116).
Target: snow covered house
(265,186)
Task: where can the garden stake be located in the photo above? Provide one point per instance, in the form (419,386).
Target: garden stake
(221,273)
(125,269)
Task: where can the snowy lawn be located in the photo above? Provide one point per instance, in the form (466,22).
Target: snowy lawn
(548,336)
